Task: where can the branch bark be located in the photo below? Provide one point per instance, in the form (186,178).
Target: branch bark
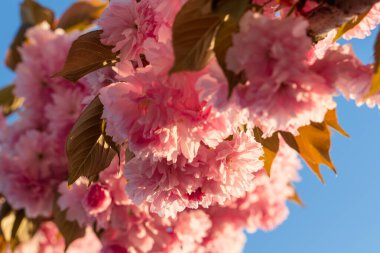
(331,14)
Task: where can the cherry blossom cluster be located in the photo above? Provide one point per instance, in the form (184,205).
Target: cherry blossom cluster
(190,175)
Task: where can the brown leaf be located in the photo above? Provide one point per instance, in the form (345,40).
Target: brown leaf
(86,148)
(194,30)
(86,55)
(32,14)
(8,101)
(270,147)
(332,120)
(231,11)
(81,15)
(223,41)
(70,230)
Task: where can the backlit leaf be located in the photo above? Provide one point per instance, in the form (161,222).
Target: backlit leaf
(16,227)
(70,230)
(32,14)
(296,198)
(194,31)
(349,25)
(81,15)
(86,55)
(313,144)
(270,147)
(86,148)
(8,101)
(375,85)
(332,120)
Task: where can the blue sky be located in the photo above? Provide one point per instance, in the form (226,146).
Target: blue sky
(341,216)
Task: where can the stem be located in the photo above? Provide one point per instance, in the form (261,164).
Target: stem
(331,14)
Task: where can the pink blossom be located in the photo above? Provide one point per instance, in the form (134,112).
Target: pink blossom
(351,78)
(87,204)
(224,237)
(49,240)
(71,200)
(33,75)
(213,89)
(264,207)
(127,24)
(319,49)
(64,109)
(282,93)
(160,116)
(364,28)
(97,199)
(89,243)
(35,171)
(214,176)
(134,229)
(168,9)
(191,229)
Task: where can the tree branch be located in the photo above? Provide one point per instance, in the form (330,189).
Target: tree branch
(331,14)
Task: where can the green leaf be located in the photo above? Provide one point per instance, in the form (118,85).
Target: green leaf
(313,144)
(350,24)
(194,30)
(270,147)
(86,148)
(86,55)
(8,101)
(375,85)
(81,15)
(32,14)
(70,230)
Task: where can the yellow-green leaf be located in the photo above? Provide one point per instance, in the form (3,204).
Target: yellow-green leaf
(70,230)
(332,120)
(194,31)
(8,101)
(313,144)
(349,25)
(270,147)
(81,15)
(375,85)
(86,55)
(16,227)
(86,148)
(32,14)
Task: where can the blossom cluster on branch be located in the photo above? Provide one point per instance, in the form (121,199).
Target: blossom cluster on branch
(174,126)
